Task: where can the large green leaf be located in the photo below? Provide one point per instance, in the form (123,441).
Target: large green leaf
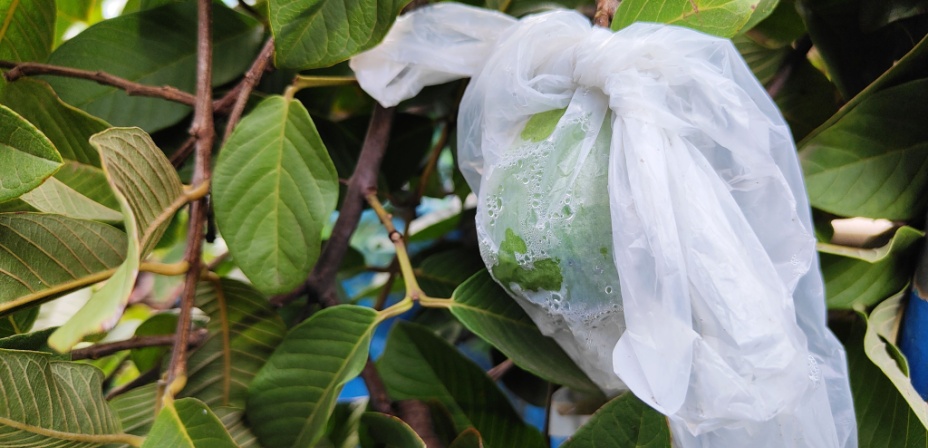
(135,409)
(291,398)
(18,322)
(864,277)
(149,192)
(27,29)
(317,33)
(42,256)
(188,423)
(89,181)
(234,421)
(418,365)
(873,162)
(29,157)
(274,188)
(44,402)
(855,57)
(390,431)
(68,127)
(54,196)
(624,422)
(487,310)
(807,99)
(156,47)
(439,274)
(719,17)
(243,332)
(889,411)
(137,169)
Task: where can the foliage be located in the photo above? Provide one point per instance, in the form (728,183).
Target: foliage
(294,302)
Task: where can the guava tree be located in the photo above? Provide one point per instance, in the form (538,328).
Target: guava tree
(172,272)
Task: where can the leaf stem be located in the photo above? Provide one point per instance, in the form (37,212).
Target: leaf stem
(179,268)
(413,291)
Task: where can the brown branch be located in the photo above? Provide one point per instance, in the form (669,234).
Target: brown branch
(247,85)
(380,402)
(204,132)
(790,62)
(321,281)
(180,156)
(98,351)
(605,11)
(419,417)
(499,370)
(19,70)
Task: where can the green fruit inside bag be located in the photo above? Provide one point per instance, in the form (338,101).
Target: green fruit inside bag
(545,224)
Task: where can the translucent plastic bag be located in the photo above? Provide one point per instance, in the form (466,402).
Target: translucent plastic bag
(639,195)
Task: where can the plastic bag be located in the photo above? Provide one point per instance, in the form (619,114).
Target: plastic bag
(640,196)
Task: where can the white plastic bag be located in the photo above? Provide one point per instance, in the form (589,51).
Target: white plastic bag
(639,195)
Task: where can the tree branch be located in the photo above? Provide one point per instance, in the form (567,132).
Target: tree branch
(98,351)
(605,11)
(321,281)
(204,131)
(19,70)
(247,85)
(419,417)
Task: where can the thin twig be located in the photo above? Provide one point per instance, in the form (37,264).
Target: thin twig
(790,62)
(21,69)
(98,351)
(203,130)
(321,281)
(180,156)
(605,11)
(500,369)
(247,85)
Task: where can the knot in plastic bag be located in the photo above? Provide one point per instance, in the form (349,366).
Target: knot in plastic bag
(639,195)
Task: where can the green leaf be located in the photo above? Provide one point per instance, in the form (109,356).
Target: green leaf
(243,332)
(274,188)
(147,358)
(42,256)
(545,273)
(68,127)
(889,411)
(855,57)
(19,322)
(28,156)
(157,47)
(875,14)
(234,421)
(44,402)
(26,30)
(188,423)
(315,33)
(390,431)
(487,310)
(53,196)
(764,62)
(877,150)
(807,99)
(623,422)
(418,365)
(36,341)
(439,274)
(138,170)
(781,27)
(873,162)
(863,277)
(76,13)
(293,395)
(135,409)
(719,17)
(468,438)
(149,192)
